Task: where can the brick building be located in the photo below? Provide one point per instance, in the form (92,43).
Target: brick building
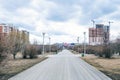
(99,34)
(6,29)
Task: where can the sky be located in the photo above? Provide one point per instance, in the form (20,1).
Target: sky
(61,20)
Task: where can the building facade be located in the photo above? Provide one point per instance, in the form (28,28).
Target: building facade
(99,34)
(10,30)
(4,30)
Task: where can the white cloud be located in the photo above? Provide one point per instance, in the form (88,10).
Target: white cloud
(61,31)
(63,22)
(35,38)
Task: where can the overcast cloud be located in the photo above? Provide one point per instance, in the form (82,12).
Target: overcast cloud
(62,20)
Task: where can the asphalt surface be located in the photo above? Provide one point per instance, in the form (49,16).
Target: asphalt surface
(63,66)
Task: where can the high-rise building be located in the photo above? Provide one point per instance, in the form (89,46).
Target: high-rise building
(92,36)
(99,35)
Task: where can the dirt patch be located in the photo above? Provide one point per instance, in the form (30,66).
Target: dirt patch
(110,67)
(12,67)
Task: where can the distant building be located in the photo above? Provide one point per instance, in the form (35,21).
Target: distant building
(99,34)
(6,29)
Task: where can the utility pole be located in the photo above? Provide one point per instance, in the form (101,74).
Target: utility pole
(49,44)
(43,43)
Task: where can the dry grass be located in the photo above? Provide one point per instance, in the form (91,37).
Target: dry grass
(11,67)
(110,67)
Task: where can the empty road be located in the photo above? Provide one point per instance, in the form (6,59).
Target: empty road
(63,66)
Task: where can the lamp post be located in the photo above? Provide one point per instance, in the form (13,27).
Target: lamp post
(84,44)
(49,44)
(109,29)
(78,43)
(43,43)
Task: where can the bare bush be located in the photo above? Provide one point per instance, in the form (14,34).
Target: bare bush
(101,50)
(107,52)
(30,51)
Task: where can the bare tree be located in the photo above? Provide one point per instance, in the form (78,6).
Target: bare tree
(14,42)
(24,43)
(3,47)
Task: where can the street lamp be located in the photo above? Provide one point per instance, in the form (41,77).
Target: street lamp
(49,44)
(43,43)
(78,44)
(84,44)
(109,28)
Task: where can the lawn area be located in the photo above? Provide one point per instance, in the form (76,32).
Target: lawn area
(110,67)
(11,67)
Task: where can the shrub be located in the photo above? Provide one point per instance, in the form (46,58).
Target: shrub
(25,53)
(32,52)
(2,57)
(3,54)
(100,54)
(39,51)
(107,52)
(90,51)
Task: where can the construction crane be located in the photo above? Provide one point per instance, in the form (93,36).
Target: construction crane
(93,23)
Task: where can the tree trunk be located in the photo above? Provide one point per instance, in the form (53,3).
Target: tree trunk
(14,56)
(24,56)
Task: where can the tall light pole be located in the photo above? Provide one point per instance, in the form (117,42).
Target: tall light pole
(78,43)
(49,44)
(43,43)
(84,44)
(109,28)
(93,21)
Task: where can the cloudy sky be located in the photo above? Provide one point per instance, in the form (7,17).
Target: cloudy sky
(62,20)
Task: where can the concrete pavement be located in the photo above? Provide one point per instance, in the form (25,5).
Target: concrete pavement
(63,66)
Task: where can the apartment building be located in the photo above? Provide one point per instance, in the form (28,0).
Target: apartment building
(6,29)
(99,34)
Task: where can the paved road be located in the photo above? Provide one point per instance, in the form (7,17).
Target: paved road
(64,66)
